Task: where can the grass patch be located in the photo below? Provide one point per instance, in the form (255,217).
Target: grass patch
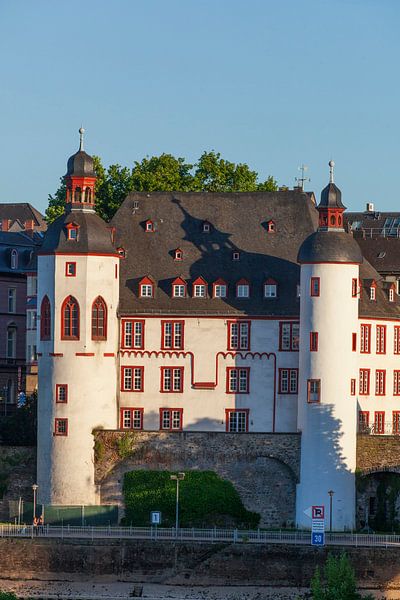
(206,500)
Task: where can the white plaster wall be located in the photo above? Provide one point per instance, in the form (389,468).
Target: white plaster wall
(65,463)
(204,410)
(328,448)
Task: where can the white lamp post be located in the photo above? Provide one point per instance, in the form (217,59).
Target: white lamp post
(34,487)
(178,477)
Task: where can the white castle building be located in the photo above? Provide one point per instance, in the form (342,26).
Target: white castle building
(240,312)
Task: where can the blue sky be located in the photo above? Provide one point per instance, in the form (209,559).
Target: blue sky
(274,83)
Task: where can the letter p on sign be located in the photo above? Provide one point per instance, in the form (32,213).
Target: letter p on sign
(318,512)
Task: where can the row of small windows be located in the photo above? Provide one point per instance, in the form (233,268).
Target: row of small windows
(171,419)
(380,339)
(380,383)
(179,288)
(206,227)
(379,425)
(70,319)
(315,289)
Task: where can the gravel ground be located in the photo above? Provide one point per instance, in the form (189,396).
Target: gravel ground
(81,590)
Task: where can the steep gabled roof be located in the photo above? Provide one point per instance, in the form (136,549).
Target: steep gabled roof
(22,211)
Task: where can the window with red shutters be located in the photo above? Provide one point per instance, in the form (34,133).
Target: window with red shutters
(363,421)
(315,286)
(60,426)
(132,379)
(289,335)
(171,419)
(237,380)
(381,339)
(99,319)
(172,335)
(313,391)
(45,319)
(172,379)
(364,382)
(238,335)
(396,382)
(365,339)
(380,382)
(396,421)
(61,393)
(133,333)
(288,381)
(396,348)
(237,420)
(70,319)
(131,418)
(313,341)
(379,425)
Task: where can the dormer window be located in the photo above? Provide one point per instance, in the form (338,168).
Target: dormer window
(14,259)
(149,226)
(270,288)
(298,290)
(206,227)
(121,252)
(199,288)
(72,231)
(391,294)
(178,254)
(179,288)
(242,289)
(372,292)
(271,227)
(220,289)
(146,288)
(235,256)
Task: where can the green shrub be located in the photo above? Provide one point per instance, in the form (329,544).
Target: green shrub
(20,428)
(124,445)
(99,450)
(339,581)
(205,500)
(8,596)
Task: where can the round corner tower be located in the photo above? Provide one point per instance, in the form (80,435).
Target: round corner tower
(329,260)
(78,293)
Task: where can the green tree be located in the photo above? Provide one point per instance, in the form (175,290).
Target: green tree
(164,173)
(20,428)
(339,581)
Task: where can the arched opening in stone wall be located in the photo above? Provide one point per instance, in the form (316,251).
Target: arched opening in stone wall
(378,501)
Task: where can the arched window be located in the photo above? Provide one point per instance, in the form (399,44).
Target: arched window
(88,194)
(333,220)
(14,259)
(99,319)
(78,195)
(70,319)
(45,319)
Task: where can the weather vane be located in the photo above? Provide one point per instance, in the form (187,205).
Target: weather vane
(302,179)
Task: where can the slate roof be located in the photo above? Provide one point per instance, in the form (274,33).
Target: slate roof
(80,164)
(330,246)
(94,234)
(238,224)
(22,211)
(26,248)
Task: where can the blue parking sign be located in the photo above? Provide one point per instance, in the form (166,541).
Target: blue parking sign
(317,539)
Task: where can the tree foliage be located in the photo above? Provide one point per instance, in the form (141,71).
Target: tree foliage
(20,428)
(339,581)
(164,173)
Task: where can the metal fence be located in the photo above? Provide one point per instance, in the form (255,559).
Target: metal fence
(213,535)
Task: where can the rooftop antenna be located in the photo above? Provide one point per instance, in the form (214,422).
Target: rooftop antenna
(81,132)
(302,179)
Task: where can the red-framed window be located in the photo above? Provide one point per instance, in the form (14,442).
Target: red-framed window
(315,286)
(381,339)
(220,289)
(289,334)
(199,289)
(313,391)
(179,288)
(149,226)
(72,231)
(237,380)
(132,379)
(70,319)
(61,427)
(178,254)
(372,291)
(313,341)
(238,335)
(363,421)
(70,269)
(396,348)
(353,387)
(271,227)
(242,289)
(396,421)
(380,382)
(171,419)
(288,381)
(354,342)
(379,421)
(45,319)
(364,382)
(146,288)
(172,380)
(172,335)
(61,393)
(131,418)
(391,294)
(133,333)
(237,420)
(396,382)
(365,339)
(116,272)
(354,287)
(99,319)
